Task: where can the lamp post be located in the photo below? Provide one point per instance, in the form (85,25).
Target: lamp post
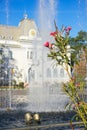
(10,87)
(0,81)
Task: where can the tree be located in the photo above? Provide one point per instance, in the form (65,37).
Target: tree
(79,44)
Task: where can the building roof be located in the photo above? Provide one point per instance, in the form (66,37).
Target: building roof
(14,32)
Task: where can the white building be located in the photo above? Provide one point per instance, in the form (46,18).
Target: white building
(29,54)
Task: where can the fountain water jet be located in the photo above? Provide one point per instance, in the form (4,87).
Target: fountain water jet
(42,96)
(45,93)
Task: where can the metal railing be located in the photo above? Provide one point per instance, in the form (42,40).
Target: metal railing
(29,127)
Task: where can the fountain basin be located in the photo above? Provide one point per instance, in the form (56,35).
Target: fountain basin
(15,119)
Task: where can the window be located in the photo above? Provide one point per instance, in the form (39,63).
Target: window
(48,73)
(55,73)
(29,54)
(62,72)
(10,54)
(33,74)
(32,33)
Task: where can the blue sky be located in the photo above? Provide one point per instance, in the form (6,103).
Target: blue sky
(67,12)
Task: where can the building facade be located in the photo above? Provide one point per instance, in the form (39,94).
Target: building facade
(28,60)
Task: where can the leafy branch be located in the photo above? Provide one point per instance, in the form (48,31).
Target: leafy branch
(60,52)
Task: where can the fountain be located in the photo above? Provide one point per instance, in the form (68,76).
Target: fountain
(45,95)
(45,91)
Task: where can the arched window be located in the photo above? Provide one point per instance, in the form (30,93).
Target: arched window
(55,74)
(33,74)
(48,72)
(62,72)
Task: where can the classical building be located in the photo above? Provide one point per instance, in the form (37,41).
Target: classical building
(27,57)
